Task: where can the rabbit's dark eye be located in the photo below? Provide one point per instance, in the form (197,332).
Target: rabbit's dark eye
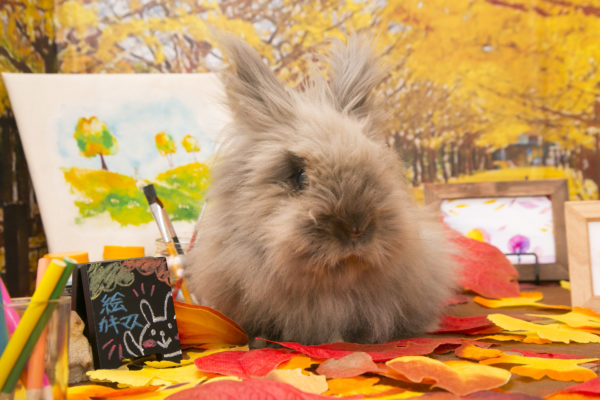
(301,179)
(293,172)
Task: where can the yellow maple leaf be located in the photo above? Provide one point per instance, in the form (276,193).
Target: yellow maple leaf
(525,299)
(568,396)
(529,338)
(565,285)
(457,376)
(358,385)
(299,362)
(311,383)
(198,324)
(553,368)
(574,319)
(533,367)
(150,376)
(473,352)
(553,332)
(89,392)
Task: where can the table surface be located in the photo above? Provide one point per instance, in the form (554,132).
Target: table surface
(553,294)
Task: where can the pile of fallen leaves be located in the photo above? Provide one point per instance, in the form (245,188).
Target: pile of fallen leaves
(437,366)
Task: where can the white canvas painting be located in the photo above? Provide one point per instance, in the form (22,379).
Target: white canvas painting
(512,224)
(594,244)
(92,141)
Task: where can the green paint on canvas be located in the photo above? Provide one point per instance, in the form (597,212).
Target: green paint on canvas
(180,189)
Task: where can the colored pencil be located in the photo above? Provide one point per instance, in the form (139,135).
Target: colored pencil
(12,319)
(35,365)
(33,323)
(3,327)
(30,318)
(11,316)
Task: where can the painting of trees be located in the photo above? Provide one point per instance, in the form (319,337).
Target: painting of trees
(95,139)
(190,144)
(165,146)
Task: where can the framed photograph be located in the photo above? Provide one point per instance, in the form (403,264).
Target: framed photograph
(524,219)
(583,244)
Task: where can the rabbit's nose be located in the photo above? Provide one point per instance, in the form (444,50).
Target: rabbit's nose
(354,231)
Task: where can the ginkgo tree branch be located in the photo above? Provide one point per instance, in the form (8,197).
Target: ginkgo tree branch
(19,65)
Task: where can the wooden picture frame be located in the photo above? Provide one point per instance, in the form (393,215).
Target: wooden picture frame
(555,189)
(582,219)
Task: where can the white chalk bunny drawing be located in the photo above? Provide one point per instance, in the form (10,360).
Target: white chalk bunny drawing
(154,334)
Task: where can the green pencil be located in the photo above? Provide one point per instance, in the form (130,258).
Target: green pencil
(15,373)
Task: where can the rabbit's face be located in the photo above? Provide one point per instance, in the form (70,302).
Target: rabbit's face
(338,199)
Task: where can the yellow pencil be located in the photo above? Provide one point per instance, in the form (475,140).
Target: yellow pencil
(32,314)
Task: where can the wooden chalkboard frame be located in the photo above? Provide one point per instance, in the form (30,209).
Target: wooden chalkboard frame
(128,309)
(556,189)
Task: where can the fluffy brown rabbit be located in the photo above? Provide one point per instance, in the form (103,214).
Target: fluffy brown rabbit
(310,233)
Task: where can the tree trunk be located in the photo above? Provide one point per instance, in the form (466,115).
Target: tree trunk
(432,165)
(454,159)
(445,163)
(104,167)
(421,165)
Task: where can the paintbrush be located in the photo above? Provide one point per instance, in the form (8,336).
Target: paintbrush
(169,237)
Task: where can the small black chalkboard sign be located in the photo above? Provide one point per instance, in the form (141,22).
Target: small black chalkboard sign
(128,309)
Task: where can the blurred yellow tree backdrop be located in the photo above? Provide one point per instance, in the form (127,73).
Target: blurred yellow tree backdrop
(476,89)
(26,45)
(473,84)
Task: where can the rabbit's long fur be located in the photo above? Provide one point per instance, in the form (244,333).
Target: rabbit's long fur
(310,233)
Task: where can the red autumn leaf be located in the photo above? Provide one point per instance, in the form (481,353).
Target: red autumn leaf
(457,299)
(261,362)
(245,390)
(452,324)
(243,364)
(224,363)
(349,366)
(379,352)
(548,355)
(590,387)
(485,269)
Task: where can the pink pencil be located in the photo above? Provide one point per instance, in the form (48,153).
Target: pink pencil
(35,366)
(11,316)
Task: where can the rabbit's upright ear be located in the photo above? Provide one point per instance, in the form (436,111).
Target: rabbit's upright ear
(354,74)
(255,96)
